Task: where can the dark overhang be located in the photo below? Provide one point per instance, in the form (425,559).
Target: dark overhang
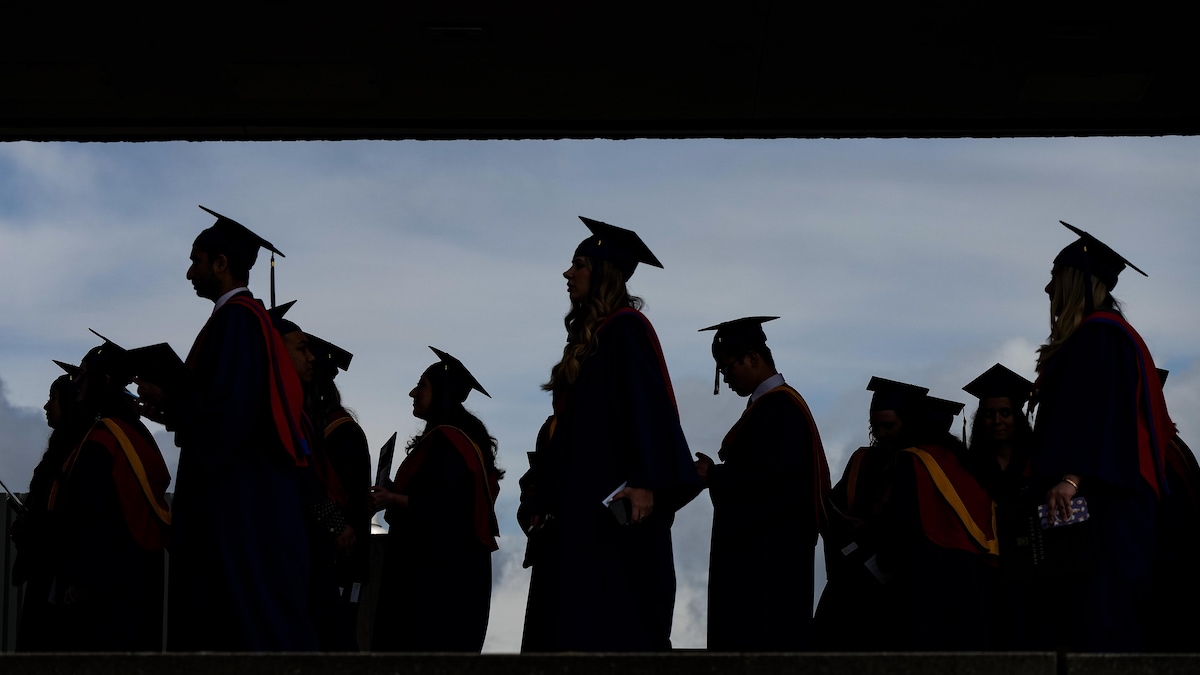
(471,70)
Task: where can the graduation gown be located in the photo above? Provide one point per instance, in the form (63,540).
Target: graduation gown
(325,499)
(941,547)
(598,585)
(113,528)
(38,539)
(436,588)
(1011,490)
(766,496)
(1176,584)
(239,558)
(346,447)
(851,614)
(1101,416)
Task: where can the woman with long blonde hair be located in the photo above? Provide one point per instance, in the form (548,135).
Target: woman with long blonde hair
(1101,429)
(610,470)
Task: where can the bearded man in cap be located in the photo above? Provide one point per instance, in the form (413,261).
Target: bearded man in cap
(768,497)
(239,560)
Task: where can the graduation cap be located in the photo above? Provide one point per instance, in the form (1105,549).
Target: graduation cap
(106,340)
(1000,382)
(941,412)
(282,325)
(734,338)
(1162,375)
(238,243)
(109,359)
(158,364)
(1094,258)
(619,246)
(458,381)
(70,370)
(893,395)
(329,355)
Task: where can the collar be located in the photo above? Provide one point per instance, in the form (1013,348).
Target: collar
(766,385)
(225,298)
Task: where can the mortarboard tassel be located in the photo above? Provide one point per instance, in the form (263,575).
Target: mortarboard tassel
(1088,305)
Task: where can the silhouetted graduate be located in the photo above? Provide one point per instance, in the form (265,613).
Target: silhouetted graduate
(239,562)
(940,541)
(37,540)
(1000,443)
(436,588)
(1173,625)
(604,578)
(109,511)
(768,497)
(1101,432)
(852,614)
(325,499)
(1000,431)
(345,445)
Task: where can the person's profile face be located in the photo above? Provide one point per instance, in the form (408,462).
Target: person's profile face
(733,371)
(1051,289)
(53,410)
(302,357)
(203,276)
(886,426)
(997,416)
(579,279)
(422,396)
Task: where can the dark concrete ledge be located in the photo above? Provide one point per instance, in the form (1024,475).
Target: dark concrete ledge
(1132,664)
(677,663)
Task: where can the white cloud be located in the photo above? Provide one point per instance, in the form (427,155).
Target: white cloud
(510,586)
(23,435)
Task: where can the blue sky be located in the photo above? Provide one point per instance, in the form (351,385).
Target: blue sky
(917,260)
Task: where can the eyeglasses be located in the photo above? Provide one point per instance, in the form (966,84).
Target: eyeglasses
(724,370)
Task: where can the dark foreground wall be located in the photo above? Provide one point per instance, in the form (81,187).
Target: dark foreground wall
(680,663)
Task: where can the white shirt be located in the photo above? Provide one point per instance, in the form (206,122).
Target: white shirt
(225,298)
(767,385)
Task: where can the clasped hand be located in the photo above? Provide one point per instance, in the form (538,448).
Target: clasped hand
(641,502)
(380,498)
